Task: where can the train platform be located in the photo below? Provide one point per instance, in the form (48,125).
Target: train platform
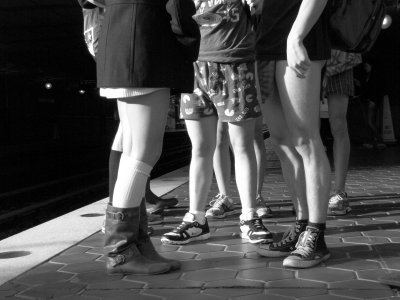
(63,258)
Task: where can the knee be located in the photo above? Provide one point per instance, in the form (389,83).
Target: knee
(302,143)
(144,155)
(283,148)
(338,126)
(148,153)
(203,150)
(242,145)
(279,141)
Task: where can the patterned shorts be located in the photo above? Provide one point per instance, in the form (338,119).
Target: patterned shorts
(224,90)
(340,84)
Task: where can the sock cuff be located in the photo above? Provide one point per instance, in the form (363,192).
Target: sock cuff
(134,164)
(319,226)
(304,221)
(195,215)
(248,214)
(197,212)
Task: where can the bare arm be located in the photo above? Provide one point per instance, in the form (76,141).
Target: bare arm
(309,12)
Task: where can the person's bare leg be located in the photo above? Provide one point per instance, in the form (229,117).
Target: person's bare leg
(222,159)
(202,134)
(300,103)
(260,152)
(281,140)
(194,227)
(291,162)
(300,98)
(341,142)
(242,137)
(143,122)
(263,210)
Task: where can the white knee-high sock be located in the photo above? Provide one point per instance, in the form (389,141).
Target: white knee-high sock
(131,182)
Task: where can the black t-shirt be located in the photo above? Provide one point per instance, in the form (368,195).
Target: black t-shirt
(276,21)
(226,33)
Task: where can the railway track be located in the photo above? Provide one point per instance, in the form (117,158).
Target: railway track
(28,207)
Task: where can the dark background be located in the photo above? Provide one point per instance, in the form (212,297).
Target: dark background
(54,143)
(46,134)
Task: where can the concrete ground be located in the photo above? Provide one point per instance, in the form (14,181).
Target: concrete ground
(365,248)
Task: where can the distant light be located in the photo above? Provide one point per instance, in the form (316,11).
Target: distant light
(48,85)
(387,21)
(81,92)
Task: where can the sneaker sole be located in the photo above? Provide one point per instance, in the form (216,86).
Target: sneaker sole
(265,240)
(303,264)
(116,273)
(229,213)
(202,237)
(339,212)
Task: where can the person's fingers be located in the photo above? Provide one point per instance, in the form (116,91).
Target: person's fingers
(301,71)
(302,68)
(300,74)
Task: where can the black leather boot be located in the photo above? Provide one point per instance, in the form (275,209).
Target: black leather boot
(155,204)
(145,245)
(120,245)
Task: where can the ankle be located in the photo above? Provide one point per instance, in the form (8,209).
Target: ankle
(223,196)
(150,197)
(339,192)
(318,226)
(198,216)
(320,237)
(302,224)
(248,214)
(302,221)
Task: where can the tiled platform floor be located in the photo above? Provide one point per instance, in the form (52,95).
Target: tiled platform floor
(365,246)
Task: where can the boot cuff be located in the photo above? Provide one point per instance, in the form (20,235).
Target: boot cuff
(121,214)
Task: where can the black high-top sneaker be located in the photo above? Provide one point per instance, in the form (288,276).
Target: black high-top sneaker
(310,250)
(286,245)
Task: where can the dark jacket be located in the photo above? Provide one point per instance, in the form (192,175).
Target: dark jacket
(276,21)
(148,43)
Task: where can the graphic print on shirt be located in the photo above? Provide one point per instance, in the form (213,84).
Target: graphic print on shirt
(211,13)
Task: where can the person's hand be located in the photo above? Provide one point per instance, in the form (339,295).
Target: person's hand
(297,56)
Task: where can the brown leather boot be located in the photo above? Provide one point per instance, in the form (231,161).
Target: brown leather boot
(146,247)
(120,245)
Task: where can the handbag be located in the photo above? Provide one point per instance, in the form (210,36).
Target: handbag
(355,24)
